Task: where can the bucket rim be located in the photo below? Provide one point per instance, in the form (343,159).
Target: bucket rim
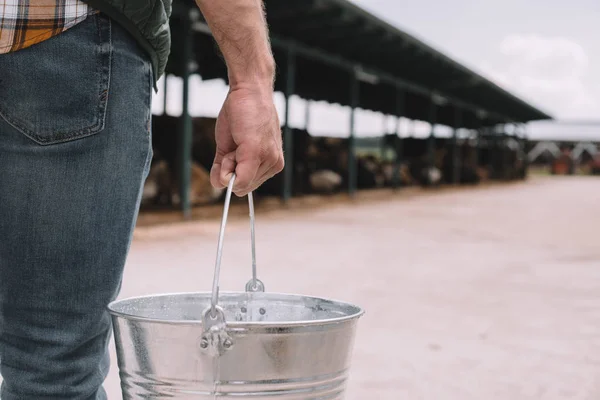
(238,324)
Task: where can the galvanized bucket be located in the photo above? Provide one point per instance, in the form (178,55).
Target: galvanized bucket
(250,344)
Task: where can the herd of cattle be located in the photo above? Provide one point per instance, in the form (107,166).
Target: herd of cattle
(320,164)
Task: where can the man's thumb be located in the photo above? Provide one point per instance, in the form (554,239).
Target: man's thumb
(227,168)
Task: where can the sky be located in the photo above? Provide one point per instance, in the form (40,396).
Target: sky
(545,52)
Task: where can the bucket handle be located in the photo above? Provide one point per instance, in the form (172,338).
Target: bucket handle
(254,285)
(215,339)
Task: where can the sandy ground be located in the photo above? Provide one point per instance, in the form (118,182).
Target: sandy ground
(484,293)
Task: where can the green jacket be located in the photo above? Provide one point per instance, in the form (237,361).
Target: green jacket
(147,21)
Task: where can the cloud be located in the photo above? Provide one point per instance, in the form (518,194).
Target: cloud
(550,72)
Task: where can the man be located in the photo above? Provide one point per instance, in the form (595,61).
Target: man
(76,82)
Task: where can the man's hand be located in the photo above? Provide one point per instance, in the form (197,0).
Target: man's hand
(248,141)
(248,134)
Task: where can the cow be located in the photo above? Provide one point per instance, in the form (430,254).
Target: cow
(308,158)
(163,179)
(166,136)
(320,164)
(162,186)
(564,164)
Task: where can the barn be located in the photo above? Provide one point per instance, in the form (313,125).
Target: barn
(334,51)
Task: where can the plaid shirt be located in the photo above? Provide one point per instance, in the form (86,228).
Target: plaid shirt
(26,22)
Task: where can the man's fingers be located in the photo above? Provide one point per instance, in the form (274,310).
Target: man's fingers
(251,169)
(221,170)
(215,173)
(262,168)
(245,171)
(267,171)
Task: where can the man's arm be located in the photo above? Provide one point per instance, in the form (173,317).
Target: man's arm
(239,28)
(248,134)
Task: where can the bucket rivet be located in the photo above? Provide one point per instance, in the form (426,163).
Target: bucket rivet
(227,343)
(244,310)
(204,343)
(262,311)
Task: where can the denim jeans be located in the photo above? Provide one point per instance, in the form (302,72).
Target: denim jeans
(75,149)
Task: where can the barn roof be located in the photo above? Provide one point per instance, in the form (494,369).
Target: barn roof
(334,39)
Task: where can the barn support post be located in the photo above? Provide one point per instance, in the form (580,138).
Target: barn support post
(525,145)
(185,144)
(494,158)
(431,140)
(354,99)
(455,148)
(503,151)
(165,87)
(288,140)
(475,138)
(522,150)
(497,138)
(504,140)
(494,153)
(398,139)
(383,145)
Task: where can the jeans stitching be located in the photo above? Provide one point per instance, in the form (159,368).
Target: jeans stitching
(107,79)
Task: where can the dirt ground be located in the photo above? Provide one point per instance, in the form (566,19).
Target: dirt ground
(489,293)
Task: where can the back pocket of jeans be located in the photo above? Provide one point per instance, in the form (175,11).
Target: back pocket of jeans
(57,90)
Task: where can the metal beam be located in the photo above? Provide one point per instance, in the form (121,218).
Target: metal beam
(290,81)
(347,65)
(358,13)
(291,11)
(330,18)
(185,145)
(353,37)
(318,29)
(354,99)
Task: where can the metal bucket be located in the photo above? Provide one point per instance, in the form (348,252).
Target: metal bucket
(251,344)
